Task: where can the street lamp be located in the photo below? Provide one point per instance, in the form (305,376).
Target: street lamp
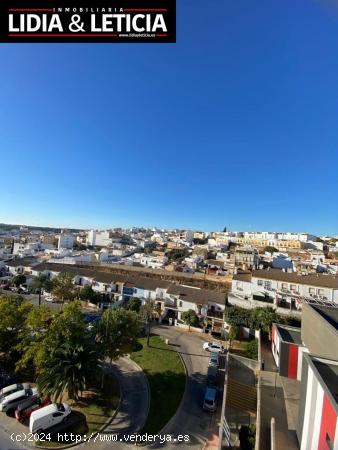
(274,392)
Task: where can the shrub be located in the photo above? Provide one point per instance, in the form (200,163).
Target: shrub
(252,349)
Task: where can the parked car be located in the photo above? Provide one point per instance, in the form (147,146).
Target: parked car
(212,375)
(49,298)
(48,416)
(11,402)
(210,399)
(5,287)
(214,359)
(213,347)
(90,320)
(7,390)
(25,409)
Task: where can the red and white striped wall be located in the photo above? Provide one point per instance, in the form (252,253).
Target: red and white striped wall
(320,419)
(288,356)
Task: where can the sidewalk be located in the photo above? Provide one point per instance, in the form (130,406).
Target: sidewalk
(279,399)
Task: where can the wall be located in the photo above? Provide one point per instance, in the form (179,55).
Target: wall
(318,415)
(238,361)
(317,342)
(288,356)
(186,327)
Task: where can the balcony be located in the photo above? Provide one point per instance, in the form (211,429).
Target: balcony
(215,314)
(170,302)
(282,303)
(261,298)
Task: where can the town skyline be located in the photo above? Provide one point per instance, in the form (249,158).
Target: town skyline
(149,227)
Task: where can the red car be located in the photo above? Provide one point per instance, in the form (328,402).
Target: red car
(25,409)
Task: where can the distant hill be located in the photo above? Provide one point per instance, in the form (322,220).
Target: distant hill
(8,227)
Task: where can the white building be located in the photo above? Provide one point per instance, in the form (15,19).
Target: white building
(153,262)
(302,237)
(66,240)
(173,299)
(100,238)
(285,291)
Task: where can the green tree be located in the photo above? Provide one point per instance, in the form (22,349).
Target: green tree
(134,304)
(13,314)
(233,333)
(69,368)
(247,436)
(190,318)
(88,293)
(271,249)
(63,287)
(41,282)
(31,336)
(19,279)
(66,327)
(177,254)
(252,349)
(235,315)
(117,332)
(263,318)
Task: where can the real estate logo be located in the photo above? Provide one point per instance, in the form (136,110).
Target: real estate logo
(88,21)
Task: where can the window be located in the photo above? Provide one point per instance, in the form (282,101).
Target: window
(180,304)
(284,285)
(320,291)
(260,282)
(312,290)
(293,287)
(267,285)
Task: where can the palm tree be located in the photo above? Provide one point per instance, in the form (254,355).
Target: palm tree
(148,311)
(63,286)
(69,368)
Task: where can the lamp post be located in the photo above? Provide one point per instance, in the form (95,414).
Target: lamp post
(275,388)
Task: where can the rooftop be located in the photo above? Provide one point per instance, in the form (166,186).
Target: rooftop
(317,279)
(290,334)
(196,295)
(187,293)
(329,373)
(330,314)
(25,262)
(105,277)
(243,276)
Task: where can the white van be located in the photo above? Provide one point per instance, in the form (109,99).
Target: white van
(48,416)
(10,402)
(13,388)
(210,398)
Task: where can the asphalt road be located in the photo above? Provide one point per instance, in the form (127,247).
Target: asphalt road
(190,419)
(33,299)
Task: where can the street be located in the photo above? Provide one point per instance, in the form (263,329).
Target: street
(190,418)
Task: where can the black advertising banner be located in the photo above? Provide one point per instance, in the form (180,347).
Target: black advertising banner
(88,21)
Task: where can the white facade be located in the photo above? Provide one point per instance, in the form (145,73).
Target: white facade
(291,292)
(66,240)
(153,262)
(101,238)
(302,237)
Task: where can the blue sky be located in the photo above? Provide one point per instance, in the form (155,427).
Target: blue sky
(234,125)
